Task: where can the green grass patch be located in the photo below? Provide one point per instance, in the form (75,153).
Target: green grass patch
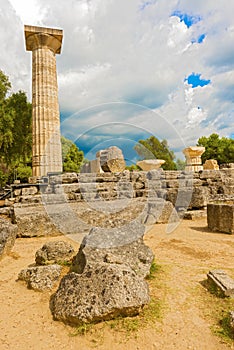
(82,329)
(154,269)
(216,309)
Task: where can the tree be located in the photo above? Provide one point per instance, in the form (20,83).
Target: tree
(152,148)
(15,125)
(21,148)
(221,149)
(72,157)
(180,164)
(5,86)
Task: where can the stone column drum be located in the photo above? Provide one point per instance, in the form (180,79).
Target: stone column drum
(45,43)
(193,158)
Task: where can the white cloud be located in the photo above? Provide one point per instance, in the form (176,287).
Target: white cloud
(122,51)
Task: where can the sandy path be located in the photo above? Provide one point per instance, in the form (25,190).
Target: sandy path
(186,254)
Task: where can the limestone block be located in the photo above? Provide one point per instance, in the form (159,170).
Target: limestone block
(211,164)
(160,211)
(29,191)
(125,243)
(93,166)
(156,174)
(220,216)
(8,233)
(111,159)
(150,164)
(40,278)
(222,281)
(34,221)
(54,252)
(103,291)
(17,192)
(68,178)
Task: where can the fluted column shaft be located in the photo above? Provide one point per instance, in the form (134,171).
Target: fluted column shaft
(46,152)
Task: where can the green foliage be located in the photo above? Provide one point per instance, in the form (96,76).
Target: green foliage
(221,149)
(152,148)
(23,173)
(15,133)
(72,156)
(5,85)
(3,178)
(133,167)
(180,164)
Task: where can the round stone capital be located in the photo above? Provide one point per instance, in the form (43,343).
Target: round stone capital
(41,40)
(40,37)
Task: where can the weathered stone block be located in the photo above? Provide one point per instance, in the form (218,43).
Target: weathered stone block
(54,252)
(124,243)
(68,178)
(40,278)
(103,291)
(8,233)
(211,164)
(29,191)
(111,159)
(220,216)
(160,211)
(222,281)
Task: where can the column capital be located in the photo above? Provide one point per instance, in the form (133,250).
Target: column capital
(41,37)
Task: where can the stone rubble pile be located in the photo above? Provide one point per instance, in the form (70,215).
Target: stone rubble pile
(107,277)
(46,272)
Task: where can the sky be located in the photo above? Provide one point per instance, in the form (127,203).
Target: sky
(130,69)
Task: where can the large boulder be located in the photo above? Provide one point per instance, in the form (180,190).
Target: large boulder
(119,245)
(111,159)
(102,292)
(40,278)
(54,252)
(8,234)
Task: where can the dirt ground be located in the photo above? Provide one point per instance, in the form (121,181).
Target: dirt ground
(185,255)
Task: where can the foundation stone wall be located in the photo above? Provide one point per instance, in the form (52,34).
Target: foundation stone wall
(74,203)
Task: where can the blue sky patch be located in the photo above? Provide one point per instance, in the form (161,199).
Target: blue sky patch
(195,80)
(199,39)
(189,20)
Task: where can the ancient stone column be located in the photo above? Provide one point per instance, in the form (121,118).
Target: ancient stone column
(45,43)
(193,158)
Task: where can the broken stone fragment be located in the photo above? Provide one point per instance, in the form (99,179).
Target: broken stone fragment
(115,245)
(111,159)
(40,278)
(8,233)
(54,252)
(102,292)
